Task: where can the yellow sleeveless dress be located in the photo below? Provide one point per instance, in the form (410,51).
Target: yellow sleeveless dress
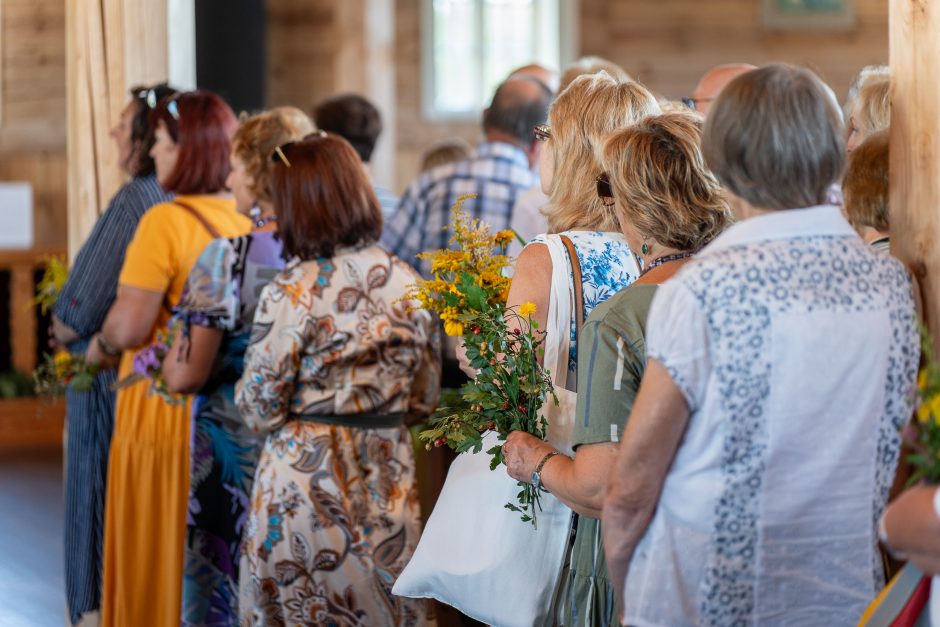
(148,471)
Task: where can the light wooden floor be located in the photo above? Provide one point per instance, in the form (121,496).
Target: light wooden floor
(31,567)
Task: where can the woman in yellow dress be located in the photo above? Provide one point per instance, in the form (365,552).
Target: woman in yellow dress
(148,472)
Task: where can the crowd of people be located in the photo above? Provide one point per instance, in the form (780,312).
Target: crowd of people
(736,306)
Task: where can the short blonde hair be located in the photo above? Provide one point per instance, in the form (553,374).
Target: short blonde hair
(872,111)
(581,118)
(865,185)
(258,136)
(661,184)
(591,65)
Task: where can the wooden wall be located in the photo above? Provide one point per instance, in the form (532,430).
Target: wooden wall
(32,109)
(666,44)
(302,39)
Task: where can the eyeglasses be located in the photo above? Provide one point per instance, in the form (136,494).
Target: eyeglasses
(693,102)
(604,191)
(542,132)
(279,153)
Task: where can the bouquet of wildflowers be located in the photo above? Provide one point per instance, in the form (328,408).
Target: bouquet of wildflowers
(469,292)
(148,365)
(63,370)
(51,284)
(922,436)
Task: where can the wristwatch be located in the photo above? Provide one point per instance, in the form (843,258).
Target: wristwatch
(536,474)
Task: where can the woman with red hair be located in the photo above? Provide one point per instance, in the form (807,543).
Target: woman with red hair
(148,473)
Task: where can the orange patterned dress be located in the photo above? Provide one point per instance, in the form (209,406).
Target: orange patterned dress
(336,358)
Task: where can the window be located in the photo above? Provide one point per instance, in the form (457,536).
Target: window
(472,45)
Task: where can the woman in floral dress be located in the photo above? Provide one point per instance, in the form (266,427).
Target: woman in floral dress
(215,314)
(336,367)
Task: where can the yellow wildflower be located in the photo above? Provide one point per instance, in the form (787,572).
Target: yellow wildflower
(929,407)
(453,328)
(922,380)
(505,237)
(62,361)
(527,309)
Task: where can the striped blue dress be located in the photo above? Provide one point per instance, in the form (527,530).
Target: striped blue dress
(83,305)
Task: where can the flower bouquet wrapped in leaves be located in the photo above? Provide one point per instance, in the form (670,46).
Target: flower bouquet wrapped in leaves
(63,370)
(148,365)
(922,435)
(469,292)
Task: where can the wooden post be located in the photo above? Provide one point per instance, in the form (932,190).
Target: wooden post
(111,45)
(915,146)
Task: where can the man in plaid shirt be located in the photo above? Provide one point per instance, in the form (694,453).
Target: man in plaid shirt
(501,168)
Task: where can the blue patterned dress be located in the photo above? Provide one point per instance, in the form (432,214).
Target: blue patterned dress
(607,266)
(222,293)
(83,305)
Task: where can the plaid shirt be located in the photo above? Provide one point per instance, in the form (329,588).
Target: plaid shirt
(498,172)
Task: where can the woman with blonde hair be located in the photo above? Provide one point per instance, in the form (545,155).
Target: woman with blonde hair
(579,121)
(871,111)
(215,314)
(669,205)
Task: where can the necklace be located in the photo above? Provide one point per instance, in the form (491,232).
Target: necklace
(260,222)
(664,259)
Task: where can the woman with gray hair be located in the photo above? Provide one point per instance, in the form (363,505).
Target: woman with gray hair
(764,438)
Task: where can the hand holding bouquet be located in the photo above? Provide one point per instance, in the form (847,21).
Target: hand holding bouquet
(63,370)
(148,365)
(469,292)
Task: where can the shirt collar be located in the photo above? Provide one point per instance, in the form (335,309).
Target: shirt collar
(504,150)
(784,224)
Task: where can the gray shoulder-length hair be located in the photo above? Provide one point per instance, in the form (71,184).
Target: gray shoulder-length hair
(774,138)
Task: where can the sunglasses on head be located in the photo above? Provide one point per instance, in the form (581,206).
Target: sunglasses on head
(280,152)
(542,132)
(604,190)
(149,97)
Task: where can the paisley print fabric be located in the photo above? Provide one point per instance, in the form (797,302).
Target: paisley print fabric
(221,293)
(334,508)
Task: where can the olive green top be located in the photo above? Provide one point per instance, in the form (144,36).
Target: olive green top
(610,366)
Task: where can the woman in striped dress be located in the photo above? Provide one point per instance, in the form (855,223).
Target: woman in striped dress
(79,314)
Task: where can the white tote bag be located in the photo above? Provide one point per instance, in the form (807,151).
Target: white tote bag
(475,554)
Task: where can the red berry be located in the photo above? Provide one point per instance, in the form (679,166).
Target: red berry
(522,408)
(475,329)
(440,441)
(517,332)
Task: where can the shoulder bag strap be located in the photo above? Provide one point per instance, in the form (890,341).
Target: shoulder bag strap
(202,220)
(576,277)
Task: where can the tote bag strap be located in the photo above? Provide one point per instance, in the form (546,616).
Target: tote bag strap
(202,219)
(578,284)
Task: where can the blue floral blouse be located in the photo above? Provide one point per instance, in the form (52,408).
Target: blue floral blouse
(607,266)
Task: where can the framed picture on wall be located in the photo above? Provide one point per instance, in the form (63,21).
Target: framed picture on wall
(808,14)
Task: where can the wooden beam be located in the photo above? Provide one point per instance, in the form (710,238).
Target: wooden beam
(112,45)
(915,146)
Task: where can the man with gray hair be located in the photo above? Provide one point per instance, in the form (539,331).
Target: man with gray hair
(500,169)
